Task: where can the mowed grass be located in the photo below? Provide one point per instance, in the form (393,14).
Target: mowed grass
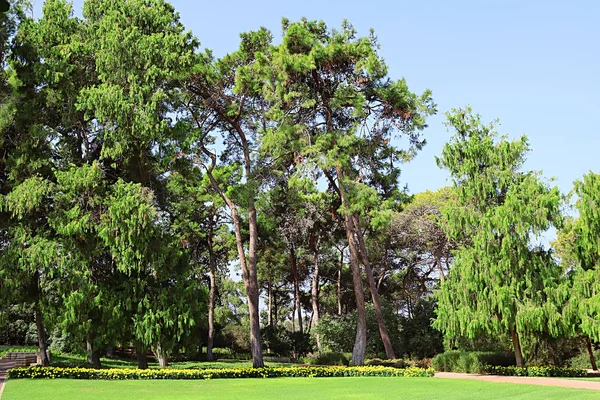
(288,389)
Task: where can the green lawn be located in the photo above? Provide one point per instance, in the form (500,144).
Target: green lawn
(287,388)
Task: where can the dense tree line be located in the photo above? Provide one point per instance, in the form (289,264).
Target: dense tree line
(138,171)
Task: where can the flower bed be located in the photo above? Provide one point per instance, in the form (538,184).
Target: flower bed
(122,374)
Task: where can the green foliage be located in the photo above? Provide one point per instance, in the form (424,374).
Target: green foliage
(535,371)
(470,361)
(499,280)
(329,358)
(279,372)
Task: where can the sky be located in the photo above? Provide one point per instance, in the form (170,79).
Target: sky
(532,64)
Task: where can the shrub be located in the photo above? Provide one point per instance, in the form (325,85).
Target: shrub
(328,358)
(535,371)
(125,374)
(470,361)
(399,363)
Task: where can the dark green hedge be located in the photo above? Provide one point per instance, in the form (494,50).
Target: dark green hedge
(121,374)
(470,361)
(535,371)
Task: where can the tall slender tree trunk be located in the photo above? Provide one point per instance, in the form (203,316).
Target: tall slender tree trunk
(252,289)
(270,304)
(142,358)
(39,323)
(211,298)
(590,350)
(251,286)
(161,355)
(339,282)
(275,307)
(517,348)
(296,287)
(314,292)
(360,341)
(383,332)
(93,354)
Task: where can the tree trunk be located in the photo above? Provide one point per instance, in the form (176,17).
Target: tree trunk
(142,359)
(590,350)
(438,261)
(161,355)
(252,290)
(211,298)
(93,355)
(270,304)
(275,308)
(249,273)
(385,337)
(39,323)
(517,348)
(314,293)
(296,288)
(360,341)
(339,282)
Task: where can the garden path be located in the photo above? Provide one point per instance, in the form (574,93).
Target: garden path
(5,365)
(568,383)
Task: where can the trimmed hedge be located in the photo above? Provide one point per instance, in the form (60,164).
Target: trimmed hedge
(123,374)
(535,371)
(470,361)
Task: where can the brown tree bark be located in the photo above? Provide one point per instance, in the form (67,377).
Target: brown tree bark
(360,341)
(212,296)
(383,332)
(142,359)
(339,282)
(39,324)
(438,261)
(517,348)
(270,303)
(93,355)
(314,292)
(298,305)
(249,273)
(588,343)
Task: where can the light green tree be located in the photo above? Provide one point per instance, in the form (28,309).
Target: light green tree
(500,278)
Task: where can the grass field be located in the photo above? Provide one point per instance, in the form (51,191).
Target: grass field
(288,389)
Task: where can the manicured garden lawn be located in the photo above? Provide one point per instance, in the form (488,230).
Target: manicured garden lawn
(286,388)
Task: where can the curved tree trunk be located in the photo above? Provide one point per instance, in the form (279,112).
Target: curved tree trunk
(39,324)
(211,298)
(385,337)
(360,341)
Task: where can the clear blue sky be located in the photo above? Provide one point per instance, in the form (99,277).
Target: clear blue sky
(535,65)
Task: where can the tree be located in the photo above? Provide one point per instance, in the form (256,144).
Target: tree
(337,111)
(577,247)
(222,100)
(499,281)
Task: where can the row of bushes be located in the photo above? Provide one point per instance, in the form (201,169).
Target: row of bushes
(535,371)
(471,361)
(123,374)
